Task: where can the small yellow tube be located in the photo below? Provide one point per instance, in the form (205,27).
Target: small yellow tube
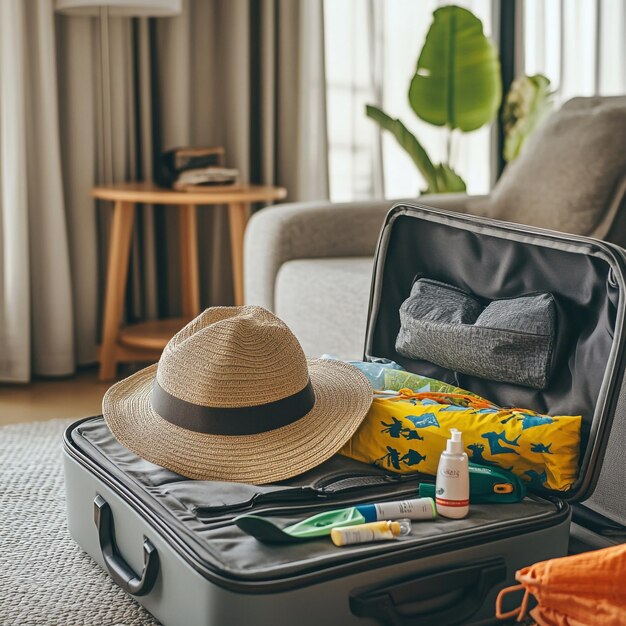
(364,533)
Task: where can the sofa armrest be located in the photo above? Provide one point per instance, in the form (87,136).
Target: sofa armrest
(304,230)
(284,232)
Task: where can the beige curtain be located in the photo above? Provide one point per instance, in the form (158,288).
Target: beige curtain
(36,313)
(247,75)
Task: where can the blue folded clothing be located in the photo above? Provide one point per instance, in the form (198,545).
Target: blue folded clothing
(374,370)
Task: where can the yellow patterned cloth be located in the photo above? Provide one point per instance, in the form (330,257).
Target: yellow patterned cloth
(408,433)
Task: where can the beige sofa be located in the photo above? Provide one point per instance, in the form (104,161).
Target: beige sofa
(310,263)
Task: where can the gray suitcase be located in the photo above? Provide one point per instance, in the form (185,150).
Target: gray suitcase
(170,541)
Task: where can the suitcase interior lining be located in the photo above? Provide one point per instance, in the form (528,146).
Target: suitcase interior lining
(493,265)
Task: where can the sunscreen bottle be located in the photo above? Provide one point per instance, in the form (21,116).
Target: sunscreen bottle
(452,487)
(374,531)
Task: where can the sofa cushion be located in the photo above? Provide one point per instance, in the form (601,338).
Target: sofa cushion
(325,302)
(570,175)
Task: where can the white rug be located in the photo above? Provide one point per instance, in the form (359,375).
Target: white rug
(45,578)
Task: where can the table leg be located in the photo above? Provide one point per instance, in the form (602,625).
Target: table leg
(190,282)
(117,274)
(238,213)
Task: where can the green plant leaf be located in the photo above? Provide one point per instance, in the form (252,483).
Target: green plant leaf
(526,105)
(409,142)
(457,81)
(448,181)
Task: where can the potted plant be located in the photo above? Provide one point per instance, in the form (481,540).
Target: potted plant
(456,86)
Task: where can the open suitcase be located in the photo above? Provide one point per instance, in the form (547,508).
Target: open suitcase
(170,541)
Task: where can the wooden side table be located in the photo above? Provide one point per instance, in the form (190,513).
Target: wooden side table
(145,341)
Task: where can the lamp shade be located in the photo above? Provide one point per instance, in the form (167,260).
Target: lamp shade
(120,8)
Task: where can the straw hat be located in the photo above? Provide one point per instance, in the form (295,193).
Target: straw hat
(234,398)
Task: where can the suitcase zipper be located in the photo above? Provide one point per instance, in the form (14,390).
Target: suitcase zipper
(324,503)
(319,491)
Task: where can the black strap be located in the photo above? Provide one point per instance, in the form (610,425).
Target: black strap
(246,420)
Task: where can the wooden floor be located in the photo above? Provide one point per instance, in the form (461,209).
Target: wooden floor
(79,396)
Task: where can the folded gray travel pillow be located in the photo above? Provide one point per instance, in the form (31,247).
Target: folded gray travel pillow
(509,340)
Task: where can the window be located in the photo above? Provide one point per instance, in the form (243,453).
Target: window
(580,46)
(371,51)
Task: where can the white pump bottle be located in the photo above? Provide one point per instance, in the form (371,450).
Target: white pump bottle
(452,488)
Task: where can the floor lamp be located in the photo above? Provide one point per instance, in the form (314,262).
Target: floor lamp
(104,9)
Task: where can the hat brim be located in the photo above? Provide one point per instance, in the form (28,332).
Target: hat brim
(343,396)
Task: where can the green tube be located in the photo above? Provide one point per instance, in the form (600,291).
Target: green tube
(488,485)
(321,524)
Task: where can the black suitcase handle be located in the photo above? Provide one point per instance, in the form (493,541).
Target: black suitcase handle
(434,599)
(119,570)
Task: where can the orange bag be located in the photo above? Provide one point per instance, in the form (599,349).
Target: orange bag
(586,589)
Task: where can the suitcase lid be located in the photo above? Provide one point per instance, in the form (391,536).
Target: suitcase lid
(495,260)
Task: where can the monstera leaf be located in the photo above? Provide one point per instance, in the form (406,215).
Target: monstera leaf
(439,178)
(457,82)
(408,141)
(448,181)
(456,85)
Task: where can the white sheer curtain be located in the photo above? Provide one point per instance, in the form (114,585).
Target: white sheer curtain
(579,45)
(371,52)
